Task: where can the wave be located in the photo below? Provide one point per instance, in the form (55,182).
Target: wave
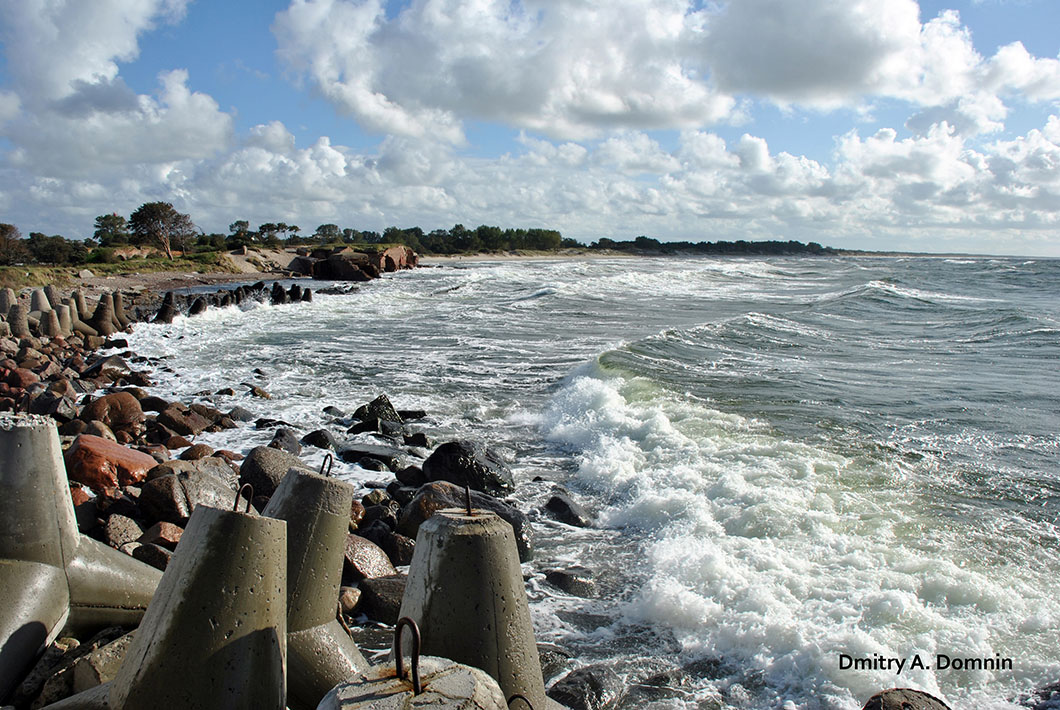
(777,555)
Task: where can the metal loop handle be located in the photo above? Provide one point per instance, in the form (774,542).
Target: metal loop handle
(415,662)
(325,465)
(520,696)
(239,494)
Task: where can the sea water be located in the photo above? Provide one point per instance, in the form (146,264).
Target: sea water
(804,473)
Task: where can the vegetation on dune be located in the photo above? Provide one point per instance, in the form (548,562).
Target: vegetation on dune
(135,244)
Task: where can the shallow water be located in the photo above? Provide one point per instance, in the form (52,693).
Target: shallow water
(788,459)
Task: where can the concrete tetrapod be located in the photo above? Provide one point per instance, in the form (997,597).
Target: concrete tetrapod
(465,591)
(214,637)
(52,576)
(426,682)
(320,654)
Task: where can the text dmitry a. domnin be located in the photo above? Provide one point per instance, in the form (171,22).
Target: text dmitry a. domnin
(943,662)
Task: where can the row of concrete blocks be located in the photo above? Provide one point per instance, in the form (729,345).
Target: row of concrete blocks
(245,614)
(49,314)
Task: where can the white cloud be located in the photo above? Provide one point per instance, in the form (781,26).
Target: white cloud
(63,44)
(565,68)
(176,125)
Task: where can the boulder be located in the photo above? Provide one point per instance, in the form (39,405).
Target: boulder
(196,452)
(472,464)
(162,533)
(321,439)
(904,699)
(173,497)
(265,467)
(364,560)
(215,466)
(389,457)
(595,687)
(100,665)
(561,507)
(379,408)
(100,464)
(186,423)
(441,494)
(120,411)
(120,529)
(381,597)
(346,266)
(154,555)
(285,440)
(577,581)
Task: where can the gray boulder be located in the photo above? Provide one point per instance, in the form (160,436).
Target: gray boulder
(265,467)
(469,463)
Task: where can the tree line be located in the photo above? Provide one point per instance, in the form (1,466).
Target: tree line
(159,225)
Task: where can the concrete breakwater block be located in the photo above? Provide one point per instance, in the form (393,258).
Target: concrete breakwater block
(53,577)
(466,592)
(214,636)
(320,654)
(445,685)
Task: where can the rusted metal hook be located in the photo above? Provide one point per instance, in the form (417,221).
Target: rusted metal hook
(249,496)
(415,661)
(325,465)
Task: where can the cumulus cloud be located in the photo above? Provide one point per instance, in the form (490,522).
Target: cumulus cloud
(564,68)
(58,47)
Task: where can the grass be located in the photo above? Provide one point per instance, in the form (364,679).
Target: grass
(18,277)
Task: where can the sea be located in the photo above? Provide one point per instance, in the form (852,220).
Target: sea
(790,463)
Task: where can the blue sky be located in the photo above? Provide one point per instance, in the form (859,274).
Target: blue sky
(879,124)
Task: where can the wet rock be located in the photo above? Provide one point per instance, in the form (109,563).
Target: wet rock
(356,514)
(595,687)
(101,464)
(164,534)
(154,555)
(265,467)
(441,494)
(391,458)
(196,452)
(904,699)
(554,659)
(100,665)
(396,546)
(285,440)
(120,529)
(573,580)
(239,414)
(258,392)
(321,439)
(364,560)
(379,408)
(97,428)
(469,463)
(173,497)
(185,423)
(387,513)
(120,411)
(349,598)
(561,507)
(381,597)
(418,439)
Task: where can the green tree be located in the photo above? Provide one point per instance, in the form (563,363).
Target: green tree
(12,248)
(111,230)
(55,249)
(328,233)
(159,222)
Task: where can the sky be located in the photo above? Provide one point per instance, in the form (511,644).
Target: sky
(863,124)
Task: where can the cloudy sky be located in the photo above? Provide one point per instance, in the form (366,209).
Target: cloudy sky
(879,124)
